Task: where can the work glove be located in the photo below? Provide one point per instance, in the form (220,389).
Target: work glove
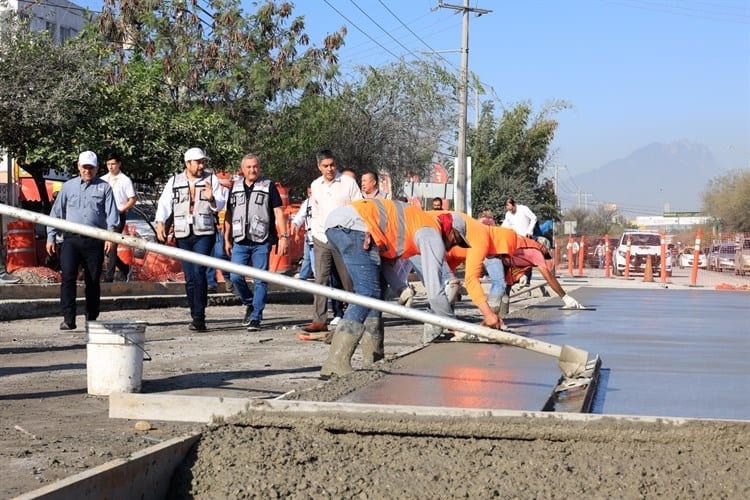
(570,302)
(453,290)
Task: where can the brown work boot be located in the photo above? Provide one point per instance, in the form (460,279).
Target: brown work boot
(315,327)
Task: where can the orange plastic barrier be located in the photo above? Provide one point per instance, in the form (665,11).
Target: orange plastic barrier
(663,267)
(21,245)
(283,263)
(124,252)
(648,273)
(570,255)
(696,257)
(581,256)
(607,257)
(157,267)
(627,258)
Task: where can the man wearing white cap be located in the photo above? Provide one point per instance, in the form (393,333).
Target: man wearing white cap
(84,200)
(192,198)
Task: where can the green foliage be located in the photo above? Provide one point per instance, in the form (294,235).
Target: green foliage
(510,155)
(46,91)
(727,198)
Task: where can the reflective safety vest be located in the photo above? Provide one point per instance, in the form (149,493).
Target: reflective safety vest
(392,225)
(251,218)
(201,218)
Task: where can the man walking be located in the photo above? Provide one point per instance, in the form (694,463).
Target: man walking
(254,212)
(124,193)
(192,198)
(329,191)
(87,200)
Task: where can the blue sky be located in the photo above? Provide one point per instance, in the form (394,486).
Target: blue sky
(634,71)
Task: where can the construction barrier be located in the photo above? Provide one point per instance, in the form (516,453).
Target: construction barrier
(663,267)
(607,257)
(570,255)
(581,256)
(285,263)
(696,257)
(627,258)
(124,252)
(21,246)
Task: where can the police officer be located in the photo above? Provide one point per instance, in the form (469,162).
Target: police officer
(192,198)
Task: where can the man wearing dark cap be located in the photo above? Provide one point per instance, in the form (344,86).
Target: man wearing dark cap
(362,234)
(87,200)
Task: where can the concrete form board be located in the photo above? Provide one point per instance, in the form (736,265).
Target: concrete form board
(680,353)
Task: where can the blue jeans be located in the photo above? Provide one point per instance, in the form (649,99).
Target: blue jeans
(363,266)
(218,252)
(196,286)
(255,254)
(496,272)
(306,268)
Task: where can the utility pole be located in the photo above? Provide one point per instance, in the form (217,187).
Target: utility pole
(459,171)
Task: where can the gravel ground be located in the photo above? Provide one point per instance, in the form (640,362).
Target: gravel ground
(53,428)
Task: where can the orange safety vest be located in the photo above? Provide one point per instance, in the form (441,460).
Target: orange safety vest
(392,225)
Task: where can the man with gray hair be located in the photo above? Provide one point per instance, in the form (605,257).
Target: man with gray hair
(88,200)
(255,213)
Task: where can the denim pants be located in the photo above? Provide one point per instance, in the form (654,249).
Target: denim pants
(306,268)
(256,255)
(496,272)
(195,274)
(363,267)
(218,252)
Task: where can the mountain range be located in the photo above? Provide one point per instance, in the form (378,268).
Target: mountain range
(653,179)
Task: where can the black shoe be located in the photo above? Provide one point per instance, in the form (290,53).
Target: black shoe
(254,325)
(246,320)
(197,326)
(67,326)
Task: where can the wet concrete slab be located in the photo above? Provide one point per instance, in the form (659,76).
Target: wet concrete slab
(680,353)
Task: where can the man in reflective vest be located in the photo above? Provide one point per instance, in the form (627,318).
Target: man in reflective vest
(254,213)
(367,231)
(192,198)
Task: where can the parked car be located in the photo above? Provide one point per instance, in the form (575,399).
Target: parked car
(686,259)
(643,244)
(721,257)
(742,257)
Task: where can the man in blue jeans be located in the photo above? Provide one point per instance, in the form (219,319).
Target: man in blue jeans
(191,199)
(254,211)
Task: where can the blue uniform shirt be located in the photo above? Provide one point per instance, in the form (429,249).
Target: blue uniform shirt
(90,203)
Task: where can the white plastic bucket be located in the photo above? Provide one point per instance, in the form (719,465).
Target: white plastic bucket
(114,356)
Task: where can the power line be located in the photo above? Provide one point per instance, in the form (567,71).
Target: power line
(360,29)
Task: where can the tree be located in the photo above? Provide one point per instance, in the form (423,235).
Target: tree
(389,118)
(509,156)
(727,198)
(46,90)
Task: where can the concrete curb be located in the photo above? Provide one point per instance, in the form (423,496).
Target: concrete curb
(41,301)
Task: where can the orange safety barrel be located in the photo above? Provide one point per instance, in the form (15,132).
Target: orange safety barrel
(283,263)
(21,245)
(284,193)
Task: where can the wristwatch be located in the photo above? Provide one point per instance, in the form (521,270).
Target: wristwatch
(284,235)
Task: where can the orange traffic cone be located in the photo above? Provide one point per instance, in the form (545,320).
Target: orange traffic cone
(648,274)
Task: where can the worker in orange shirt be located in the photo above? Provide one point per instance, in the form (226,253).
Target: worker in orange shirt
(368,233)
(486,242)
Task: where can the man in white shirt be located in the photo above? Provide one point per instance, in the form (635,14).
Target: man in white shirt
(329,191)
(522,220)
(124,193)
(519,218)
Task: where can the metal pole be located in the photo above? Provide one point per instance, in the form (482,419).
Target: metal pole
(572,361)
(459,171)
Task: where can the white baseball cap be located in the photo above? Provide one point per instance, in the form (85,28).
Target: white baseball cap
(88,158)
(195,154)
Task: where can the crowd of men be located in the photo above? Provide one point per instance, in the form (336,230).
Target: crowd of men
(356,239)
